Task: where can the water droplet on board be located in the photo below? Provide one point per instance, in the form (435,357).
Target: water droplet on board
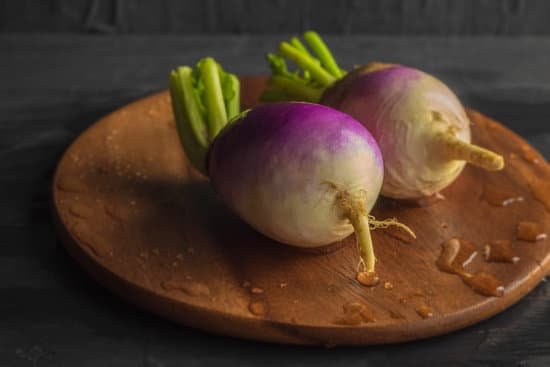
(541,191)
(191,288)
(179,257)
(283,285)
(70,184)
(485,284)
(112,212)
(144,255)
(427,200)
(388,286)
(530,231)
(395,315)
(368,278)
(424,311)
(455,255)
(499,251)
(499,196)
(355,313)
(257,308)
(80,210)
(156,251)
(529,154)
(246,284)
(87,239)
(256,290)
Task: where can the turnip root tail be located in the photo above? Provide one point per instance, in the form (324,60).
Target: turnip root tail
(353,207)
(450,147)
(374,224)
(204,99)
(318,70)
(360,223)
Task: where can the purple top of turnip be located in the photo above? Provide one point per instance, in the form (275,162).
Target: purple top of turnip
(303,174)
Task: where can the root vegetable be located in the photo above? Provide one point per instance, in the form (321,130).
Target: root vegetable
(418,122)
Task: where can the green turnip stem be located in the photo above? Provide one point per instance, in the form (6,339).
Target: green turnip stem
(189,120)
(213,96)
(295,41)
(295,89)
(233,105)
(450,147)
(323,53)
(360,223)
(203,101)
(306,62)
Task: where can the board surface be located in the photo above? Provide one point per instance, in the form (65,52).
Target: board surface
(143,223)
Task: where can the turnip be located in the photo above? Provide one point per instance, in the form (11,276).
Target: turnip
(418,122)
(301,173)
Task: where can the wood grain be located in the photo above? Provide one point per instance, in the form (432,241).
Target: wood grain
(144,224)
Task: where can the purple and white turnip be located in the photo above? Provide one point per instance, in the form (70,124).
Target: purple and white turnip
(420,125)
(303,174)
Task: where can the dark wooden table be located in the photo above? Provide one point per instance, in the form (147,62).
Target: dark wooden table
(53,86)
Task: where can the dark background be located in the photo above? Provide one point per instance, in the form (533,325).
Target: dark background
(395,17)
(63,64)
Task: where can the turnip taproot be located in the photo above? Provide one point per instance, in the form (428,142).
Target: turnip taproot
(301,173)
(418,122)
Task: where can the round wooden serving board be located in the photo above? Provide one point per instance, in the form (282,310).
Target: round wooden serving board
(143,223)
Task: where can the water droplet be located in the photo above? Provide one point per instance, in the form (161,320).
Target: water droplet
(444,225)
(88,239)
(424,311)
(133,202)
(368,278)
(80,210)
(144,255)
(388,286)
(530,231)
(190,288)
(113,212)
(500,251)
(500,196)
(191,250)
(402,300)
(246,284)
(156,251)
(70,184)
(257,308)
(426,200)
(175,264)
(395,315)
(283,285)
(355,313)
(256,290)
(484,284)
(179,257)
(455,256)
(529,154)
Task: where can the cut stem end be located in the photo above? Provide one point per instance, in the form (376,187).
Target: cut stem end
(452,148)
